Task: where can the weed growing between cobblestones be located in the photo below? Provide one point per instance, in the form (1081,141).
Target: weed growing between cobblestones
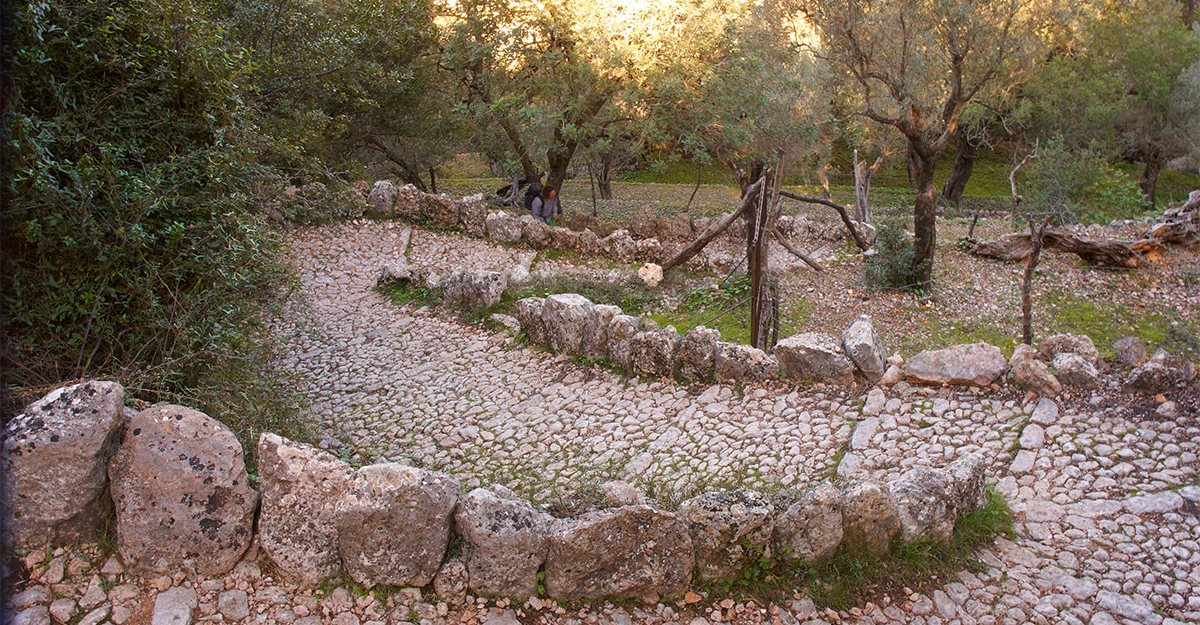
(854,577)
(413,296)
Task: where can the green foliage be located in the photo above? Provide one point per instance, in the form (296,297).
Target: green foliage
(892,266)
(345,82)
(133,241)
(1106,323)
(726,307)
(1073,186)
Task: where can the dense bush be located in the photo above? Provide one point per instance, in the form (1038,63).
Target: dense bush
(1077,187)
(892,265)
(133,241)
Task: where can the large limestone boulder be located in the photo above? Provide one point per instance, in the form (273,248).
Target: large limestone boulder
(621,331)
(472,215)
(967,490)
(438,210)
(564,238)
(1078,344)
(618,246)
(1031,374)
(644,224)
(402,274)
(394,524)
(633,552)
(182,496)
(652,353)
(1162,373)
(729,530)
(594,342)
(811,528)
(507,542)
(529,314)
(648,251)
(481,289)
(869,517)
(741,363)
(865,348)
(815,356)
(698,354)
(301,489)
(382,197)
(408,203)
(452,287)
(924,501)
(978,364)
(53,466)
(564,316)
(534,232)
(1076,371)
(678,228)
(587,243)
(1130,351)
(503,228)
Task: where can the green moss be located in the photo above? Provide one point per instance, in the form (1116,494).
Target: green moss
(1106,323)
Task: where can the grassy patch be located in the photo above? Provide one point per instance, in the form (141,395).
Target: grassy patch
(416,296)
(1106,322)
(632,295)
(726,307)
(1003,333)
(851,578)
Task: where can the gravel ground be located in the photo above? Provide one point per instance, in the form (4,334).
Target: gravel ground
(1104,486)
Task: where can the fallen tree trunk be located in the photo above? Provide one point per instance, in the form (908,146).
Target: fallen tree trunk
(1180,226)
(711,233)
(858,240)
(1097,253)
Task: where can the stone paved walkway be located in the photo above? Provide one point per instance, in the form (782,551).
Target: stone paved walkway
(1106,499)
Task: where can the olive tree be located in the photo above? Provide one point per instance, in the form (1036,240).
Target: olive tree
(555,77)
(1125,85)
(916,65)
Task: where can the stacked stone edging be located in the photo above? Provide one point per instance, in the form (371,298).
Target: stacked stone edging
(572,325)
(184,504)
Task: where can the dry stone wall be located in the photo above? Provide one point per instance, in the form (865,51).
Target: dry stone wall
(582,328)
(183,503)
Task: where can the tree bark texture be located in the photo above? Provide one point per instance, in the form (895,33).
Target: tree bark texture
(1036,234)
(964,163)
(922,162)
(1149,181)
(862,188)
(1097,253)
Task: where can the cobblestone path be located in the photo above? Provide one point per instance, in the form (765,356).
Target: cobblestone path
(1106,497)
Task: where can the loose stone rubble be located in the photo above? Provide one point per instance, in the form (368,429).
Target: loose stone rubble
(1105,497)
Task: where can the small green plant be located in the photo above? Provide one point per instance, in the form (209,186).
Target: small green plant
(411,296)
(892,266)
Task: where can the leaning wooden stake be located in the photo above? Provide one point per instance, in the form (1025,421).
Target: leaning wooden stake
(858,240)
(711,233)
(1035,235)
(791,248)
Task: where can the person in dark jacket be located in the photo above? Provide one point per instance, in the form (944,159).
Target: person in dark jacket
(545,206)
